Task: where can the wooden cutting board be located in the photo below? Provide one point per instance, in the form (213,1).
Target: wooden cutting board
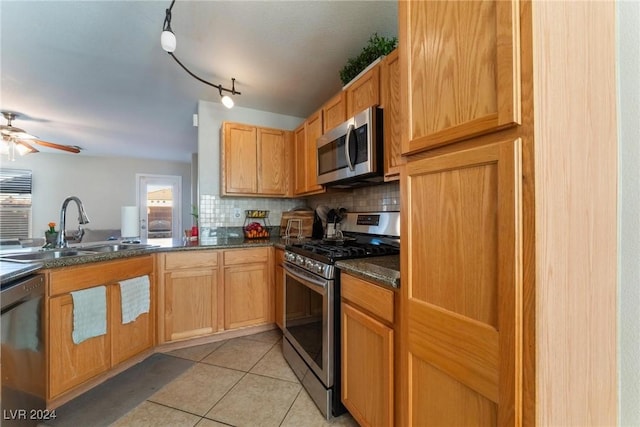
(306,219)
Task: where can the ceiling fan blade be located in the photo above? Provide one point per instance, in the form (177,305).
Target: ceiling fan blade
(69,148)
(24,147)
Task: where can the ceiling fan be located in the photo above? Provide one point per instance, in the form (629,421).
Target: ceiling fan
(23,141)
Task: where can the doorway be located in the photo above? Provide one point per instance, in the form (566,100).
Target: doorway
(160,204)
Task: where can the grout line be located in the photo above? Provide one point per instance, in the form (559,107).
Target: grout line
(171,407)
(226,393)
(291,406)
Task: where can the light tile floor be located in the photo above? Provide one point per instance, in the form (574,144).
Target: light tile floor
(239,382)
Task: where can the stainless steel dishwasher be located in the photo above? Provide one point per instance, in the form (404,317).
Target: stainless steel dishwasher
(22,356)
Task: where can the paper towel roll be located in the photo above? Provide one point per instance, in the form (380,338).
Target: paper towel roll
(130,225)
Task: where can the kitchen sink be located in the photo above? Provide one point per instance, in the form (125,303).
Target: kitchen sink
(72,252)
(116,247)
(44,255)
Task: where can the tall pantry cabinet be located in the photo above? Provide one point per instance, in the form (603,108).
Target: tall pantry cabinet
(508,299)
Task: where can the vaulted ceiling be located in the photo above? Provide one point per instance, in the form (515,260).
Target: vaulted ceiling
(93,74)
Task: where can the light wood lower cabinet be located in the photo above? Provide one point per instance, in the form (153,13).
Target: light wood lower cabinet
(279,288)
(367,351)
(70,364)
(248,287)
(128,340)
(189,289)
(207,291)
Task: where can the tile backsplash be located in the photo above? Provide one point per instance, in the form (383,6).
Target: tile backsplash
(216,211)
(383,197)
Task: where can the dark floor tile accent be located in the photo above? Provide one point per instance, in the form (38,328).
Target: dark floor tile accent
(115,397)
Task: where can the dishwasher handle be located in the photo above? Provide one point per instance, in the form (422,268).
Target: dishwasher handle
(22,290)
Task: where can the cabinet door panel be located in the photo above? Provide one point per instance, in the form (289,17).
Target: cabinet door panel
(313,132)
(240,161)
(272,172)
(461,72)
(71,364)
(462,301)
(246,295)
(334,111)
(131,338)
(367,368)
(390,102)
(279,288)
(190,303)
(364,92)
(300,160)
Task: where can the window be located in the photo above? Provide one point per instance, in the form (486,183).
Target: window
(15,203)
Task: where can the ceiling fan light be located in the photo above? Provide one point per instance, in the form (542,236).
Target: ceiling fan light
(168,41)
(227,101)
(23,149)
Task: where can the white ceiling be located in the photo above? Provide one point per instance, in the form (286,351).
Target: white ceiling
(93,74)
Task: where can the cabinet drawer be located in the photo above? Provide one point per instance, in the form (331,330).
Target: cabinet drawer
(74,278)
(190,259)
(373,298)
(246,256)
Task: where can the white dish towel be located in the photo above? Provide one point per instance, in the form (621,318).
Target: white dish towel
(89,313)
(135,298)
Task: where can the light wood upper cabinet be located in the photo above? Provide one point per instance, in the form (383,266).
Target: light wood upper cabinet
(189,294)
(255,160)
(334,111)
(364,92)
(239,159)
(460,73)
(390,103)
(305,153)
(273,161)
(313,130)
(462,298)
(300,160)
(248,293)
(367,351)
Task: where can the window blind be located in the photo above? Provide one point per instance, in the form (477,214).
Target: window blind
(15,203)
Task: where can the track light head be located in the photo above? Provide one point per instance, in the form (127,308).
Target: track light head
(168,43)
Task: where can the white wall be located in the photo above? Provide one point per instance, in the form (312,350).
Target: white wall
(104,184)
(210,118)
(629,210)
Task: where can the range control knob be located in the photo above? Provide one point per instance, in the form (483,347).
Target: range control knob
(299,260)
(309,264)
(318,268)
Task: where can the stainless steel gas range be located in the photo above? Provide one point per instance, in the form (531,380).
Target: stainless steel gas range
(312,300)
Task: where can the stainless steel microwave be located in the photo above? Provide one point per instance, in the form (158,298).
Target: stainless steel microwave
(351,154)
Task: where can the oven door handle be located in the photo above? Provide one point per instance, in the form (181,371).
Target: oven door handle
(302,274)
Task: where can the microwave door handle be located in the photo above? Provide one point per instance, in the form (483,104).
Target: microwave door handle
(347,141)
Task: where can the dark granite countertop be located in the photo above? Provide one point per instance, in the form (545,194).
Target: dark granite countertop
(12,270)
(383,270)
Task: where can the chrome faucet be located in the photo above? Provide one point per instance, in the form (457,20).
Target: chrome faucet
(82,219)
